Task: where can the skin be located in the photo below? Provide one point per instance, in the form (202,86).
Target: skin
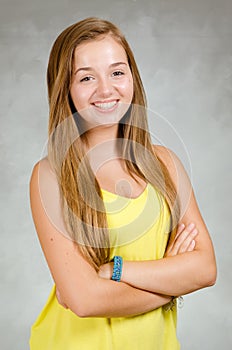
(99,80)
(189,263)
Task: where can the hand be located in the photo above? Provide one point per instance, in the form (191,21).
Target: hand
(184,240)
(106,271)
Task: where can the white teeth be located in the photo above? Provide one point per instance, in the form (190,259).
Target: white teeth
(106,105)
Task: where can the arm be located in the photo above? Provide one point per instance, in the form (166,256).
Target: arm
(78,284)
(181,271)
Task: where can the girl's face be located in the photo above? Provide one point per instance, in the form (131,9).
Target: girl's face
(102,83)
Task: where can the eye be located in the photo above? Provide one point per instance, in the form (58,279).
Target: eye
(88,78)
(118,73)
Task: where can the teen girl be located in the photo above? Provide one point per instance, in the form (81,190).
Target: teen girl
(115,215)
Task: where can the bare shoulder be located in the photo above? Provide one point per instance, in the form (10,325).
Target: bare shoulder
(45,195)
(171,161)
(167,156)
(43,181)
(178,175)
(42,168)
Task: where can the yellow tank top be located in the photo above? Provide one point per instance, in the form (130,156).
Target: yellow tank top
(139,230)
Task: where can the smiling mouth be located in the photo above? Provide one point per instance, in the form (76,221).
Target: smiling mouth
(105,106)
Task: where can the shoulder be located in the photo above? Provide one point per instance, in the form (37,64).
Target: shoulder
(44,188)
(165,154)
(45,199)
(42,167)
(171,161)
(42,173)
(178,175)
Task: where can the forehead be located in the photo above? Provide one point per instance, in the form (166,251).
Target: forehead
(104,49)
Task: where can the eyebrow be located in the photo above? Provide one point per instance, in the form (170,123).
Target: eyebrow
(89,68)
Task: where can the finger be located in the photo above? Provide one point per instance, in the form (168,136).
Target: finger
(186,243)
(175,247)
(185,231)
(180,229)
(191,246)
(182,237)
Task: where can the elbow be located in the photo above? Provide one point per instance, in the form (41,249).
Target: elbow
(88,309)
(78,307)
(209,278)
(209,282)
(212,274)
(84,307)
(81,310)
(89,304)
(212,278)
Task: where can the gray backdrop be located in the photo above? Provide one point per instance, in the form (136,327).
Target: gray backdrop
(183,49)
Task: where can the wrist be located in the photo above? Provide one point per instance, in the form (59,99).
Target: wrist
(117,268)
(106,270)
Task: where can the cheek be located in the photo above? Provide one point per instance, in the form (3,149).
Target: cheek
(127,89)
(79,97)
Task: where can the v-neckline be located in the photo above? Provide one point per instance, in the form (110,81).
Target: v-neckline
(125,197)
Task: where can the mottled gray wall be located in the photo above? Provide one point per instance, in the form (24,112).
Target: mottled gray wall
(183,49)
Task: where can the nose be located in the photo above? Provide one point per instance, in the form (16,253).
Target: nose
(104,87)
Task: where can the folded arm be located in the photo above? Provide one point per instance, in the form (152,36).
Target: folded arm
(189,263)
(78,284)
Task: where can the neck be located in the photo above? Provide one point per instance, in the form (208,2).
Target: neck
(102,144)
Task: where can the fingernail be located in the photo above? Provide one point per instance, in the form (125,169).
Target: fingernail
(195,231)
(191,226)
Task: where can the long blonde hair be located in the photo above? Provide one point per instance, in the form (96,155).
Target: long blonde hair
(81,198)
